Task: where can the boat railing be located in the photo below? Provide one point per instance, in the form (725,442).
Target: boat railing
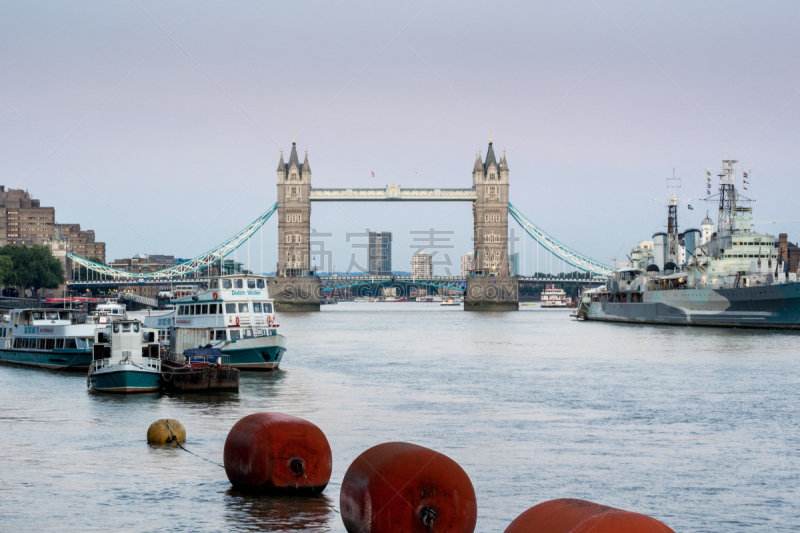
(147,362)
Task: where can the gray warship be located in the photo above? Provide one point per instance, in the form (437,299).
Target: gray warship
(727,276)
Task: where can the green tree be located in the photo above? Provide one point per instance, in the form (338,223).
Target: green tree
(33,268)
(6,271)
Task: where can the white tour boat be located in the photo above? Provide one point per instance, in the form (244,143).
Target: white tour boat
(234,314)
(553,296)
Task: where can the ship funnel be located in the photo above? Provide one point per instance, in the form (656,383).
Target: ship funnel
(690,240)
(660,249)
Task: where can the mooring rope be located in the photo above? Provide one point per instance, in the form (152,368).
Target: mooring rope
(175,440)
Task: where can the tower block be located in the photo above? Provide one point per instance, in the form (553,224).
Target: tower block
(295,286)
(490,287)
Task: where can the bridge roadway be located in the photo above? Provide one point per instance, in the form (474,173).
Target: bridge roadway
(331,282)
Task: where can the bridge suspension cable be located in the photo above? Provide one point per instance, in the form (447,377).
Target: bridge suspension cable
(198,263)
(570,256)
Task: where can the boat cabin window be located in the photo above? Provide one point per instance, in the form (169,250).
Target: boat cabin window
(214,284)
(212,309)
(53,316)
(251,284)
(136,328)
(126,328)
(40,344)
(268,308)
(205,309)
(243,308)
(256,307)
(230,309)
(220,335)
(235,334)
(247,333)
(226,284)
(238,283)
(116,328)
(260,283)
(59,343)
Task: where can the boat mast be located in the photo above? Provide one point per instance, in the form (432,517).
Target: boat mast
(727,196)
(673,246)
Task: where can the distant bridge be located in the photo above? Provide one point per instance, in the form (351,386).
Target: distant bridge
(335,282)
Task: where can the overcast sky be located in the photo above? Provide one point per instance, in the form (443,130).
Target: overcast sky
(159,124)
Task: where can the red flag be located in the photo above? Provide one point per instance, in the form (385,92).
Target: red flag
(373,174)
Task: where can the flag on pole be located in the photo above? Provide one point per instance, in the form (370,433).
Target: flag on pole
(708,192)
(745,175)
(373,174)
(416,173)
(691,208)
(708,173)
(743,187)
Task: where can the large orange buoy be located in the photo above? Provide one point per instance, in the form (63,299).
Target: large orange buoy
(398,486)
(277,453)
(579,516)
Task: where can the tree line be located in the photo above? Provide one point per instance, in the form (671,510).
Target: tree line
(29,268)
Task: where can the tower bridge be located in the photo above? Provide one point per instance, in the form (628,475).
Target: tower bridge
(296,285)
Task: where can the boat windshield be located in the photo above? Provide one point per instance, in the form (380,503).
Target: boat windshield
(226,284)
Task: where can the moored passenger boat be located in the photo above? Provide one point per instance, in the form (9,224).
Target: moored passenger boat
(126,359)
(47,338)
(234,314)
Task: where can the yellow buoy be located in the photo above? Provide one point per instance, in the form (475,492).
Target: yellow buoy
(166,430)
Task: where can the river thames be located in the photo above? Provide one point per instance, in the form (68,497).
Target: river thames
(697,427)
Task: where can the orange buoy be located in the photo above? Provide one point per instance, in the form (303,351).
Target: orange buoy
(277,453)
(568,515)
(398,486)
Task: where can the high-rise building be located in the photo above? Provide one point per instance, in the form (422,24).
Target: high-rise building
(380,253)
(513,264)
(467,264)
(422,265)
(81,242)
(24,221)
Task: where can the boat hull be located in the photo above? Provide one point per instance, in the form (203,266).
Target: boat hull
(71,359)
(125,381)
(258,353)
(769,306)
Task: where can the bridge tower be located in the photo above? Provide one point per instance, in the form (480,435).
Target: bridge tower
(490,211)
(295,287)
(294,216)
(491,288)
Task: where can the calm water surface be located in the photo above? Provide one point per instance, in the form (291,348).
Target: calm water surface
(697,427)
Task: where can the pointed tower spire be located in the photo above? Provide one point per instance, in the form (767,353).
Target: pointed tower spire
(478,163)
(293,156)
(306,166)
(490,158)
(281,164)
(503,162)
